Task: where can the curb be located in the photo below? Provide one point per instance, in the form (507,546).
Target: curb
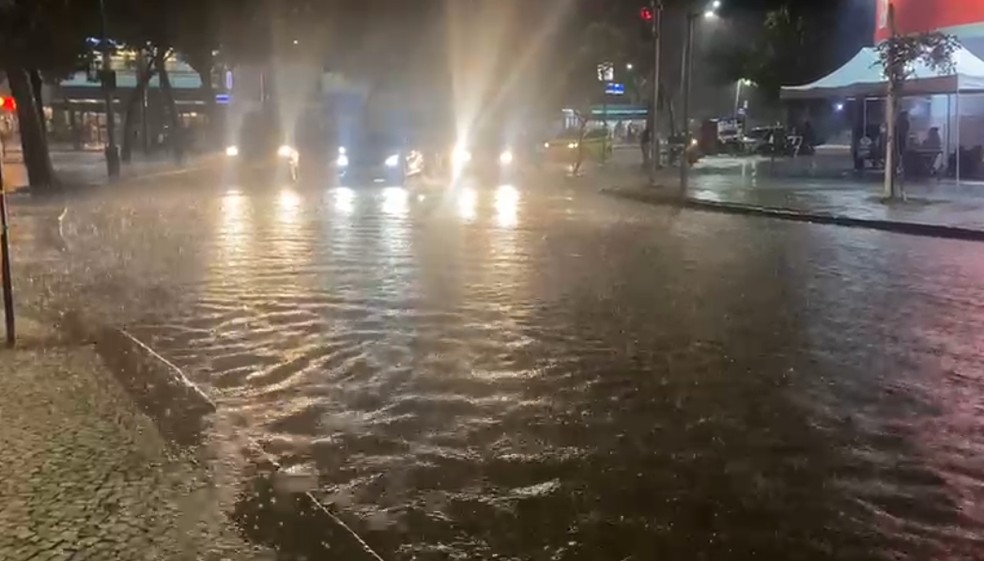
(909,228)
(272,514)
(179,408)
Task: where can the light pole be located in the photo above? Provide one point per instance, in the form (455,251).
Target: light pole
(741,82)
(710,12)
(654,158)
(108,85)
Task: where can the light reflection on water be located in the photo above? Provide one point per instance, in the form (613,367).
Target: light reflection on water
(395,201)
(493,373)
(345,199)
(507,206)
(467,204)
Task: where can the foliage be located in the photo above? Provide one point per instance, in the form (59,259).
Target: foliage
(794,43)
(900,53)
(46,35)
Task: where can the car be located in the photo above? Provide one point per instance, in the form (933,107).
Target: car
(377,158)
(261,146)
(488,153)
(596,145)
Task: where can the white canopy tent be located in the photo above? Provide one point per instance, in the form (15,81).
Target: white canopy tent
(863,76)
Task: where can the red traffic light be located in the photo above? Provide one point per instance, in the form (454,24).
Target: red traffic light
(8,104)
(646,13)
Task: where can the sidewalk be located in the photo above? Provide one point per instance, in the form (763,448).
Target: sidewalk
(87,476)
(88,168)
(933,208)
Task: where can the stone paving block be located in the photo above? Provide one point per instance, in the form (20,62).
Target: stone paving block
(87,476)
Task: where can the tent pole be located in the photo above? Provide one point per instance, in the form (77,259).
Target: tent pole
(949,125)
(958,134)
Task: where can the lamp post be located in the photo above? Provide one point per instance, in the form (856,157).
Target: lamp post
(108,85)
(654,157)
(742,82)
(709,12)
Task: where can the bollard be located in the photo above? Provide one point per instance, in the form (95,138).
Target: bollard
(8,289)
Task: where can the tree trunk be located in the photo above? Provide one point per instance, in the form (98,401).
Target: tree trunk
(40,172)
(145,73)
(176,137)
(36,85)
(208,93)
(579,155)
(891,120)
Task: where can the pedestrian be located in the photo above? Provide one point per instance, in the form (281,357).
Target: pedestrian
(645,144)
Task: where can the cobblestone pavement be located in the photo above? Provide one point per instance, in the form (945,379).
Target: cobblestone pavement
(86,476)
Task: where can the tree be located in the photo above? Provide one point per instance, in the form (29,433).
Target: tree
(600,43)
(789,43)
(41,37)
(898,55)
(158,29)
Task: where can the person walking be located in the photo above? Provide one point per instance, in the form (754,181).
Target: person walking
(645,142)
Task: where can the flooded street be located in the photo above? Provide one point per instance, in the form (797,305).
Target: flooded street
(535,371)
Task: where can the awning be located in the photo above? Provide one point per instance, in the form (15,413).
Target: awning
(863,76)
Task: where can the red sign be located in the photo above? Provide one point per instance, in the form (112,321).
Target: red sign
(917,16)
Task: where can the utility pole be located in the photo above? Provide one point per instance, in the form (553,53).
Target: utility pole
(688,55)
(654,160)
(8,288)
(108,85)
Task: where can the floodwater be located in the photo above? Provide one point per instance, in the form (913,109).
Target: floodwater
(535,371)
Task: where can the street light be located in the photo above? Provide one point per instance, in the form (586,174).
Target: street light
(108,85)
(653,14)
(743,82)
(710,12)
(629,66)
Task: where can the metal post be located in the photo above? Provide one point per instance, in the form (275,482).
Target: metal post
(688,48)
(737,96)
(957,97)
(655,154)
(8,289)
(949,128)
(112,153)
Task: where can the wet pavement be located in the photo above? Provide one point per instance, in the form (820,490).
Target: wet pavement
(86,476)
(759,182)
(537,371)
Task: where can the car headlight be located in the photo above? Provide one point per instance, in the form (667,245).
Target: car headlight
(506,158)
(232,151)
(546,145)
(572,145)
(460,156)
(393,161)
(342,161)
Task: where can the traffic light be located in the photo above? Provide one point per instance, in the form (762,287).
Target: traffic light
(646,13)
(8,104)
